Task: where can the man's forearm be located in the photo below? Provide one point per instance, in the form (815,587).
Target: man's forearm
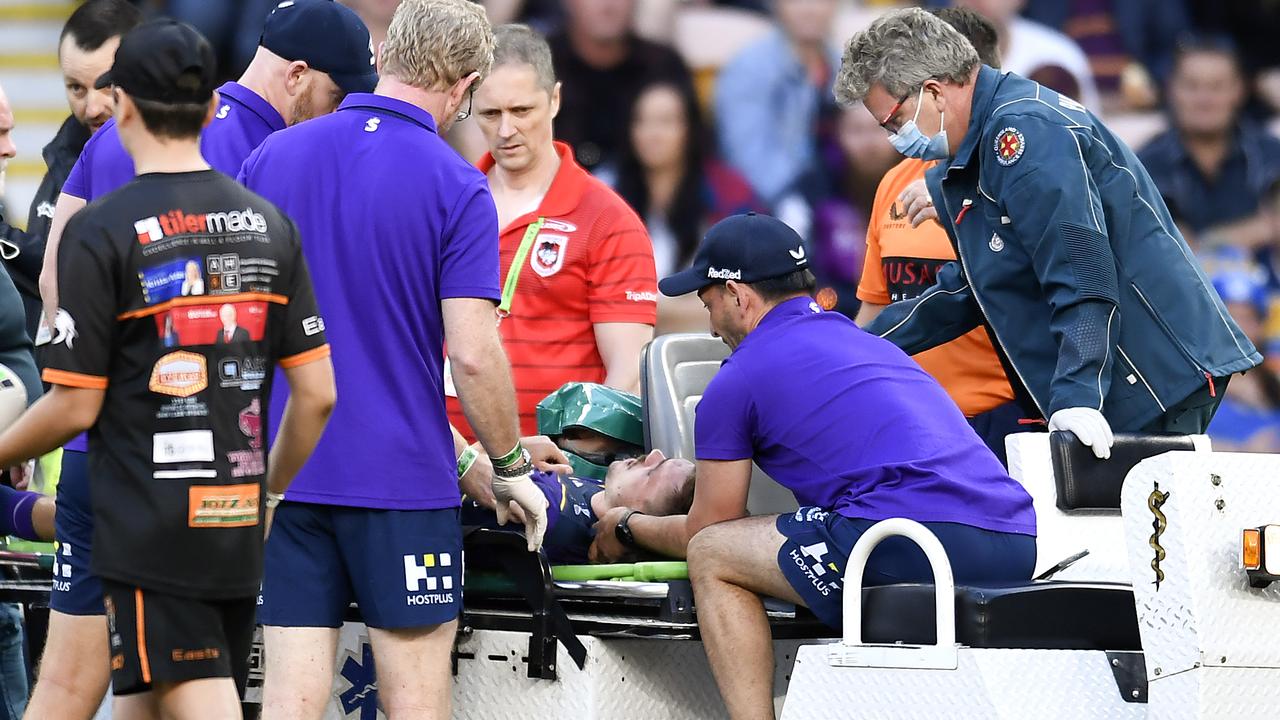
(300,430)
(47,425)
(868,312)
(66,206)
(488,400)
(626,379)
(666,535)
(620,346)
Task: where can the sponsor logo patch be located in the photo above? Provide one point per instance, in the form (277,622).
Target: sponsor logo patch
(222,505)
(176,278)
(825,577)
(251,423)
(429,578)
(1010,144)
(246,373)
(224,272)
(180,374)
(313,325)
(996,244)
(182,446)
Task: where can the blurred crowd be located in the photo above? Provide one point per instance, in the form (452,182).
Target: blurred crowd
(696,109)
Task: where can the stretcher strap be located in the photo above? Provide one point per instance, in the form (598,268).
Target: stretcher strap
(529,582)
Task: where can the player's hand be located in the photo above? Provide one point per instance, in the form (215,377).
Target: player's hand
(270,515)
(919,206)
(521,491)
(606,548)
(20,475)
(546,455)
(1089,426)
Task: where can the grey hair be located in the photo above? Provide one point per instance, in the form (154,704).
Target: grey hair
(900,51)
(522,45)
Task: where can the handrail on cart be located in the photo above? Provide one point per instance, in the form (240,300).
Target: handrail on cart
(851,651)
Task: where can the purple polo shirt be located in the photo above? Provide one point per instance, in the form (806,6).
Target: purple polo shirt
(242,122)
(849,423)
(393,221)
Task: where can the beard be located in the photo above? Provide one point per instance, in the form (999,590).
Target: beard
(302,107)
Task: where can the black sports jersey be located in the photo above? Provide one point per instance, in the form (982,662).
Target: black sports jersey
(179,294)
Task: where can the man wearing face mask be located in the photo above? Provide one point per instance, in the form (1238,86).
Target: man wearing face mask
(905,251)
(1066,251)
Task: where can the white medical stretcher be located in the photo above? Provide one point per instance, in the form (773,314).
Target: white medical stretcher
(1160,619)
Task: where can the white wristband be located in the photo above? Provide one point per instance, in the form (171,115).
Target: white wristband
(273,499)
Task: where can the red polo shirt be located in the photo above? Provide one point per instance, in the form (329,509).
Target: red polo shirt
(592,262)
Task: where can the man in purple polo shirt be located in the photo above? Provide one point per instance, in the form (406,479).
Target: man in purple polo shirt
(848,423)
(402,241)
(311,53)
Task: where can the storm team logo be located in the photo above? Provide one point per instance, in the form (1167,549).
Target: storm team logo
(1010,145)
(548,254)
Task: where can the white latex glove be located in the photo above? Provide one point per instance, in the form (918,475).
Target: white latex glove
(1088,425)
(524,493)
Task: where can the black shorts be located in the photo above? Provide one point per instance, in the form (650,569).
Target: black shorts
(161,638)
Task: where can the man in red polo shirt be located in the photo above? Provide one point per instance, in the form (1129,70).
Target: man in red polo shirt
(582,299)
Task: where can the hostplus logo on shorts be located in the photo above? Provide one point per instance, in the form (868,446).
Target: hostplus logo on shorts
(429,578)
(61,568)
(817,571)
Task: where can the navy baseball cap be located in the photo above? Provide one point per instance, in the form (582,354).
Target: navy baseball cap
(326,36)
(747,248)
(164,61)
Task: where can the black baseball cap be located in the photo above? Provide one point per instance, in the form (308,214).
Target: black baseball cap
(747,248)
(326,36)
(164,61)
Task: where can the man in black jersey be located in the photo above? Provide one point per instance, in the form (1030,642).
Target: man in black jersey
(177,441)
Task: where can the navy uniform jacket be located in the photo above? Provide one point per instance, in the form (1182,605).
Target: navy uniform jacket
(1068,254)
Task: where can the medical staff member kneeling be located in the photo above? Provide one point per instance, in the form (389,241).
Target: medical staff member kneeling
(847,422)
(1067,252)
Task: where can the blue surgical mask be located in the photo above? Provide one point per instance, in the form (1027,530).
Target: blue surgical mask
(914,144)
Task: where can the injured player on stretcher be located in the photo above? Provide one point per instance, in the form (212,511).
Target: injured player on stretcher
(653,484)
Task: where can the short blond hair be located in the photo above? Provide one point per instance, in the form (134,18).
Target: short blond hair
(432,44)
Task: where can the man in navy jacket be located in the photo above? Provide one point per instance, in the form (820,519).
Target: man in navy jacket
(1066,251)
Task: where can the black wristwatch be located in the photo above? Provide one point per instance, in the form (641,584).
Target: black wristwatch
(623,530)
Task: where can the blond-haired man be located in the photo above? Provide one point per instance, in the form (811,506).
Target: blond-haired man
(402,239)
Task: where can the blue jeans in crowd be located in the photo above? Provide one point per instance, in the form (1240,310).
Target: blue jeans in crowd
(13,664)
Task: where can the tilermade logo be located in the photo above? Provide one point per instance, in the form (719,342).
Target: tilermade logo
(714,274)
(148,230)
(177,222)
